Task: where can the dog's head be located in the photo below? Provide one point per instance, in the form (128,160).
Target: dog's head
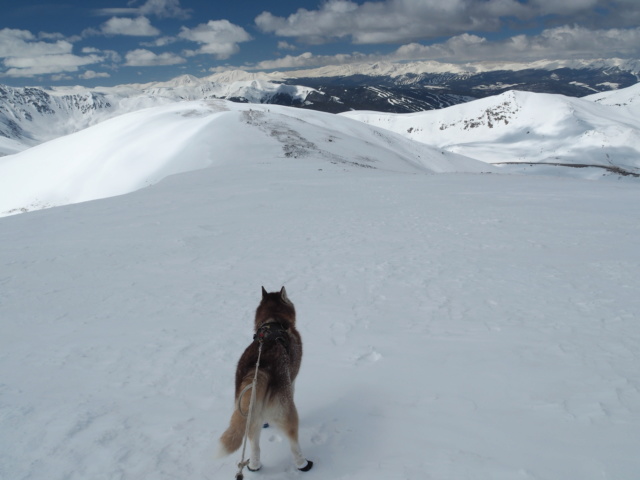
(275,306)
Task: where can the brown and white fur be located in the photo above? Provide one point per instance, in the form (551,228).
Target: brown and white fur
(279,366)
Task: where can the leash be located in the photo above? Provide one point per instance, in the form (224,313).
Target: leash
(267,331)
(243,463)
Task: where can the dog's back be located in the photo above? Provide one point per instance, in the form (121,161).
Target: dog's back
(280,346)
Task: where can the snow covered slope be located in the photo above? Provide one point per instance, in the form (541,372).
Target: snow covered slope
(29,116)
(628,99)
(602,130)
(135,150)
(456,326)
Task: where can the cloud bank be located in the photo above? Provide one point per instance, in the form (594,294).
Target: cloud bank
(401,21)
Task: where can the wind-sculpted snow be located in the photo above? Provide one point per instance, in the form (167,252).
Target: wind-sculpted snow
(138,149)
(601,131)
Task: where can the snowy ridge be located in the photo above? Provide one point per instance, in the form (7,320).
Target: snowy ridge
(252,90)
(602,130)
(29,116)
(141,148)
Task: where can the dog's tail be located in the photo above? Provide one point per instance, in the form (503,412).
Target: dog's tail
(231,439)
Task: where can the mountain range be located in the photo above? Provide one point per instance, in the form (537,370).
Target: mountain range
(418,86)
(31,115)
(521,131)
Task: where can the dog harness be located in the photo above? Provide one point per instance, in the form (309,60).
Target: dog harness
(273,331)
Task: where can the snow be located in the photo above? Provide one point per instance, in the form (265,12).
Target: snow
(8,146)
(524,127)
(627,99)
(455,325)
(31,116)
(138,149)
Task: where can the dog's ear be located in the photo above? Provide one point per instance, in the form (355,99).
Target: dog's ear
(283,295)
(264,293)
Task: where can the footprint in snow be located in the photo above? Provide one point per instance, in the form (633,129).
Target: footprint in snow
(367,358)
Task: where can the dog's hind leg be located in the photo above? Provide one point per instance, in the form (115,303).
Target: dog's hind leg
(257,420)
(288,423)
(254,441)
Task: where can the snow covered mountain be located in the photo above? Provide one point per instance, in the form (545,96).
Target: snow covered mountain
(141,148)
(602,130)
(29,116)
(520,131)
(417,86)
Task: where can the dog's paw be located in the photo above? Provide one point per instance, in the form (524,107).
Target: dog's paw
(307,467)
(254,469)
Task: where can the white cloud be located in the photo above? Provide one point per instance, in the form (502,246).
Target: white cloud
(164,9)
(286,46)
(18,43)
(146,58)
(25,55)
(397,21)
(219,38)
(61,76)
(306,59)
(564,42)
(160,42)
(47,64)
(389,21)
(559,43)
(137,27)
(90,74)
(159,8)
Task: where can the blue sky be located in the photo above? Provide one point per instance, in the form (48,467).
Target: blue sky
(109,42)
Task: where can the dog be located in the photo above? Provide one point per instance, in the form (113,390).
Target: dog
(275,329)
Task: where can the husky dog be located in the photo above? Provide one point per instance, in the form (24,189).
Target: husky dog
(275,329)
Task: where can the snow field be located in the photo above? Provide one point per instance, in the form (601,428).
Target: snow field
(455,326)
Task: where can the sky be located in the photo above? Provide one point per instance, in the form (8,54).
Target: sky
(111,42)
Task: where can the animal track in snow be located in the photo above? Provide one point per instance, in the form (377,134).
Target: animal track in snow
(369,357)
